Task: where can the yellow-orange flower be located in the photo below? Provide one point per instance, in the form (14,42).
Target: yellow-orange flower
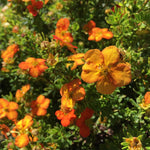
(134,143)
(24,123)
(146,101)
(22,128)
(97,34)
(8,109)
(36,66)
(106,68)
(71,92)
(40,105)
(9,53)
(22,92)
(77,58)
(22,140)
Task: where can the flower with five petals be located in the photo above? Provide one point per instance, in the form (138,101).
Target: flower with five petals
(106,68)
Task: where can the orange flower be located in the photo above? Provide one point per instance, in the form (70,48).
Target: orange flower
(81,122)
(71,92)
(77,58)
(106,69)
(22,128)
(63,24)
(34,7)
(4,129)
(97,34)
(146,101)
(40,105)
(88,27)
(9,53)
(35,66)
(8,109)
(22,92)
(22,140)
(65,118)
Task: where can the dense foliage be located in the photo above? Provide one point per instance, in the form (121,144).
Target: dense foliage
(75,74)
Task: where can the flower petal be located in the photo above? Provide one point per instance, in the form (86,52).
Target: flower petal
(12,106)
(78,94)
(94,56)
(12,115)
(34,72)
(111,55)
(147,98)
(90,73)
(104,86)
(121,74)
(45,104)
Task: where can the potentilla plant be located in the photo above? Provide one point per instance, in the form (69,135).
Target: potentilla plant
(74,74)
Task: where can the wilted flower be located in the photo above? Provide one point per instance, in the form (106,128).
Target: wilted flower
(81,122)
(134,143)
(88,27)
(4,129)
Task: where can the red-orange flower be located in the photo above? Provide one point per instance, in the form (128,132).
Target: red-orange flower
(77,58)
(81,122)
(22,92)
(4,129)
(106,68)
(34,7)
(65,118)
(8,109)
(35,66)
(40,105)
(88,27)
(98,33)
(9,53)
(71,93)
(63,24)
(63,36)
